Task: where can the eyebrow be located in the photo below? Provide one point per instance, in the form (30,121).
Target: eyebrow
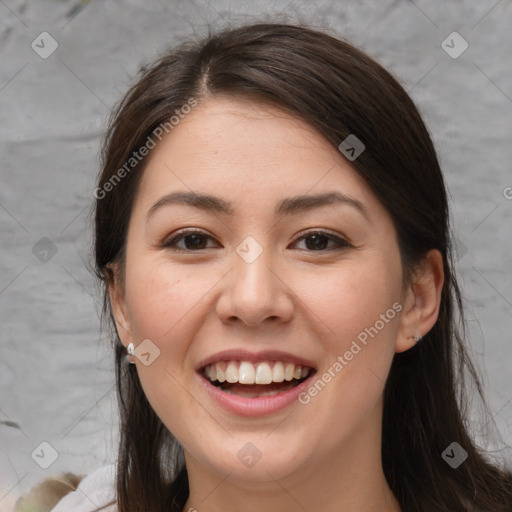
(288,206)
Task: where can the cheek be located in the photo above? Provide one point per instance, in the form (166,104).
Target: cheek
(159,297)
(162,305)
(357,327)
(346,300)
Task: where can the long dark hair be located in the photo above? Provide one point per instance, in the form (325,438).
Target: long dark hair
(338,90)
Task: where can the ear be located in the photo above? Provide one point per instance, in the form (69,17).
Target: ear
(118,304)
(422,301)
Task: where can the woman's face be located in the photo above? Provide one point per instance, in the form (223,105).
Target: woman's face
(255,271)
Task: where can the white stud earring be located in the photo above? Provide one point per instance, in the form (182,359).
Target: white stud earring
(131,351)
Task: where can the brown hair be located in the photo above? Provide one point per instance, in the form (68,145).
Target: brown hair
(338,90)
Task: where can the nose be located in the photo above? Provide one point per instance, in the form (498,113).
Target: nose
(256,292)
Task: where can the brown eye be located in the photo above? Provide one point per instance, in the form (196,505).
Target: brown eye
(192,241)
(318,241)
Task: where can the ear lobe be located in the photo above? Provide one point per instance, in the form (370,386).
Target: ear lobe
(118,305)
(423,301)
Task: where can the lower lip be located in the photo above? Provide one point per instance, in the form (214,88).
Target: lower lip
(251,407)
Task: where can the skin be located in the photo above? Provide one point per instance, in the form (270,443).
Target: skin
(295,297)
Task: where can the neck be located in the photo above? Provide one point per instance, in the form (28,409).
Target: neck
(226,494)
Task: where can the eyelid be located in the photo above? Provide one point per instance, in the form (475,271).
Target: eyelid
(321,231)
(179,235)
(341,241)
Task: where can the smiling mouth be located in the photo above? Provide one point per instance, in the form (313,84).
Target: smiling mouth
(255,380)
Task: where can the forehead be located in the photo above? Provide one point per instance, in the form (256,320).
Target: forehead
(241,150)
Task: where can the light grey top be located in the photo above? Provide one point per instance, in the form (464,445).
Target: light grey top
(94,490)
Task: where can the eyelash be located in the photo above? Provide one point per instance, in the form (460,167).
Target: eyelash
(171,243)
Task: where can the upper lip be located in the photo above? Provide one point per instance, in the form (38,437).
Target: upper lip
(254,357)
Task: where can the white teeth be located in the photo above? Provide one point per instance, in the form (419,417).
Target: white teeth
(217,372)
(246,372)
(278,372)
(232,372)
(289,371)
(263,374)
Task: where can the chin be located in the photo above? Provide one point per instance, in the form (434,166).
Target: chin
(259,460)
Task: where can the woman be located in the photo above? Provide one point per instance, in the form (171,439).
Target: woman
(272,231)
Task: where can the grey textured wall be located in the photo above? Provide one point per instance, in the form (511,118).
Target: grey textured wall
(55,367)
